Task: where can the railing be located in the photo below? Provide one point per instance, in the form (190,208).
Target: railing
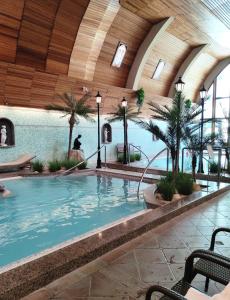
(85,160)
(143,174)
(138,150)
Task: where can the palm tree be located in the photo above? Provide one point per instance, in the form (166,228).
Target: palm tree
(118,115)
(177,116)
(192,139)
(75,109)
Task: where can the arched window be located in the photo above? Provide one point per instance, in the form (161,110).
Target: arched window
(106,133)
(6,133)
(217,106)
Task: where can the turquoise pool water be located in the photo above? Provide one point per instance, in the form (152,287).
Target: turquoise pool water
(43,212)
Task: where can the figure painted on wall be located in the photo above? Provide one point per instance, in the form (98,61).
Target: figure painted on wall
(3,136)
(77,143)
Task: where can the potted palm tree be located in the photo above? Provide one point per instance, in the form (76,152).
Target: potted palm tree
(74,109)
(177,117)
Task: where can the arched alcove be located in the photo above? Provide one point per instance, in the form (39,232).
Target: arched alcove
(6,133)
(106,133)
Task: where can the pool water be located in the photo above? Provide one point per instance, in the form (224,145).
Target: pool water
(43,212)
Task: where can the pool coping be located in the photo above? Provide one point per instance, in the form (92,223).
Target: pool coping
(39,271)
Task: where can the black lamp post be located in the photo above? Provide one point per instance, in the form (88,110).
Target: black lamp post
(179,84)
(203,94)
(124,105)
(98,101)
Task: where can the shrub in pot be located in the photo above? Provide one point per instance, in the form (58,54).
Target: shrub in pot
(213,167)
(184,184)
(69,163)
(54,165)
(38,166)
(137,156)
(82,166)
(166,188)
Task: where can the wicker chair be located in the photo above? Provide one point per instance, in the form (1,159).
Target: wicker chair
(208,263)
(168,294)
(200,264)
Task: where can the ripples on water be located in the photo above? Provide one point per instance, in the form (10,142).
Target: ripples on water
(42,212)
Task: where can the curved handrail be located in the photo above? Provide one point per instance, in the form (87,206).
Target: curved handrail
(139,150)
(81,162)
(143,174)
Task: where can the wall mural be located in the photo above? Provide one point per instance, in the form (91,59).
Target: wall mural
(6,133)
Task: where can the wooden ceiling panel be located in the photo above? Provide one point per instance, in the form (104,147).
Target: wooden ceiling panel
(68,20)
(36,29)
(90,38)
(194,23)
(196,75)
(173,57)
(18,85)
(10,18)
(129,29)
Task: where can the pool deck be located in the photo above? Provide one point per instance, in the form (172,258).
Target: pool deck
(155,257)
(40,270)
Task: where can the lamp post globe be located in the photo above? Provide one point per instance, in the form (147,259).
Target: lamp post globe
(124,104)
(179,85)
(98,101)
(203,95)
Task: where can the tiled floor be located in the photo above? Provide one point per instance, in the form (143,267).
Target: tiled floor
(155,257)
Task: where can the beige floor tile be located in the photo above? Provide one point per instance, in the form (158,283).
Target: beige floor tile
(176,255)
(149,256)
(196,241)
(156,273)
(168,241)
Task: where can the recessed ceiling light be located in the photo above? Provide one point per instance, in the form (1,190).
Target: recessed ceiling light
(119,55)
(158,70)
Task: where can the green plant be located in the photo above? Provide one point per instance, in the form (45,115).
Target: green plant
(166,188)
(213,167)
(140,98)
(131,157)
(120,158)
(54,165)
(38,166)
(184,183)
(82,166)
(69,163)
(177,116)
(137,156)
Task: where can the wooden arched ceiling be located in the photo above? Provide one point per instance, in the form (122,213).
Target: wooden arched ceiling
(79,38)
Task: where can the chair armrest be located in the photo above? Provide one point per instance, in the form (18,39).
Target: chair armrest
(203,254)
(213,239)
(216,255)
(169,293)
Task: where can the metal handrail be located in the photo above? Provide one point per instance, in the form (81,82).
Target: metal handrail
(143,174)
(74,167)
(139,150)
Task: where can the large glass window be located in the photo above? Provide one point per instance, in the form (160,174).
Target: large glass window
(217,106)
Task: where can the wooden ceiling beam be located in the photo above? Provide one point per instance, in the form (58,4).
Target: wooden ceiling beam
(95,24)
(186,65)
(144,51)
